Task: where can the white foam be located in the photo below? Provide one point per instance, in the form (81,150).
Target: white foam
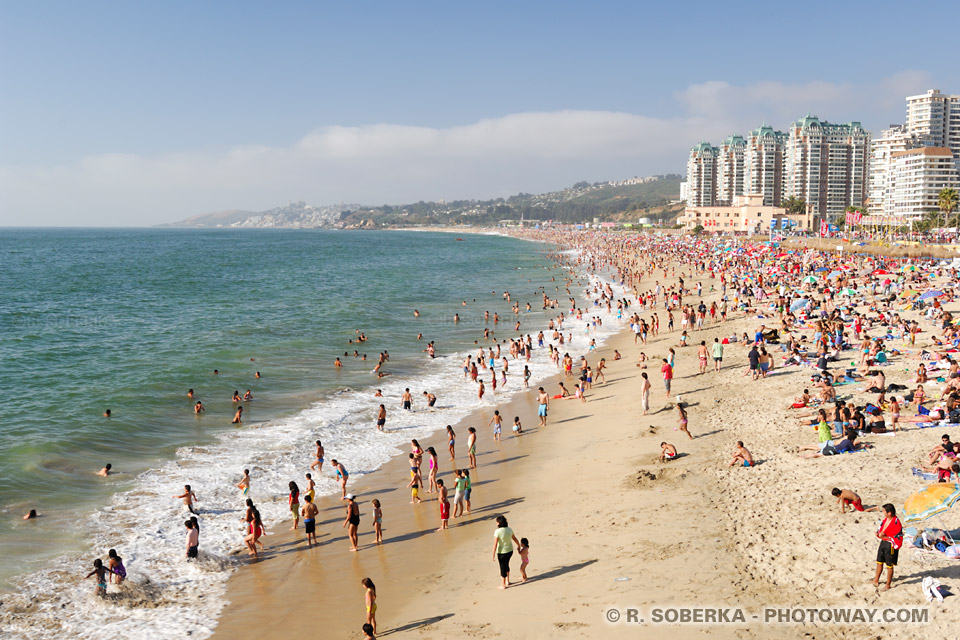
(166,597)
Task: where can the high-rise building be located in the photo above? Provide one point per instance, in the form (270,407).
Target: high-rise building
(916,178)
(764,164)
(730,170)
(827,165)
(935,118)
(896,138)
(702,175)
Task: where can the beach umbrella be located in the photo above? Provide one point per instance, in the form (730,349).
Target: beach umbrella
(933,499)
(909,267)
(881,272)
(810,280)
(908,293)
(933,293)
(821,269)
(833,274)
(796,305)
(848,292)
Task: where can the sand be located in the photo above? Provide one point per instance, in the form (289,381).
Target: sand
(610,527)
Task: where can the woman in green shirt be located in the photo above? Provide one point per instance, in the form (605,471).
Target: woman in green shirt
(504,540)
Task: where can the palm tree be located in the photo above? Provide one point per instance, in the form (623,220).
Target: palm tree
(794,205)
(947,201)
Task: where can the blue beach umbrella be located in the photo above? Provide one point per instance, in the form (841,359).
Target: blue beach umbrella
(933,293)
(798,304)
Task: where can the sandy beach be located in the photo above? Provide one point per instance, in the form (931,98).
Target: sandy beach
(611,527)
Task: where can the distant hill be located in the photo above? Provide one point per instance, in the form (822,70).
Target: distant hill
(296,215)
(615,200)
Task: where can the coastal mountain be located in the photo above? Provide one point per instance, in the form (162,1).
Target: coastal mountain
(653,197)
(296,215)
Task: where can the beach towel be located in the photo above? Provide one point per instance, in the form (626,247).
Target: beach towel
(931,425)
(925,475)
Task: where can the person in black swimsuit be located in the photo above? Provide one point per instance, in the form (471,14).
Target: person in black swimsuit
(352,519)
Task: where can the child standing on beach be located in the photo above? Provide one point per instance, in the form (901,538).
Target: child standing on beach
(497,423)
(370,599)
(378,521)
(524,551)
(471,448)
(444,505)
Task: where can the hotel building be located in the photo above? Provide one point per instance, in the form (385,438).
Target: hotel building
(765,164)
(702,175)
(827,165)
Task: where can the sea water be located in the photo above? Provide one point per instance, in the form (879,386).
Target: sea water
(129,320)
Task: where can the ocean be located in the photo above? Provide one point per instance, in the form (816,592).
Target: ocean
(129,320)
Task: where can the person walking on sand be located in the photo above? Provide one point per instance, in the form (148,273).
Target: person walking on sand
(318,460)
(310,511)
(667,371)
(503,541)
(890,534)
(645,392)
(444,505)
(543,401)
(472,447)
(342,477)
(524,552)
(370,599)
(741,456)
(352,521)
(682,414)
(717,352)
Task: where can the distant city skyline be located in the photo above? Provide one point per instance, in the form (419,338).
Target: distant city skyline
(129,115)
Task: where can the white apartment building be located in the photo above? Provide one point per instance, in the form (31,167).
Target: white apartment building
(684,191)
(702,175)
(935,118)
(730,169)
(916,178)
(764,165)
(896,138)
(827,165)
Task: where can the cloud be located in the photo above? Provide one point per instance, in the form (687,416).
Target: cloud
(378,163)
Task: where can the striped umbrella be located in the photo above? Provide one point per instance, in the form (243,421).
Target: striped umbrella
(930,501)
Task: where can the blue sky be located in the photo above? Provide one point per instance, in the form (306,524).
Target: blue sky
(135,113)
